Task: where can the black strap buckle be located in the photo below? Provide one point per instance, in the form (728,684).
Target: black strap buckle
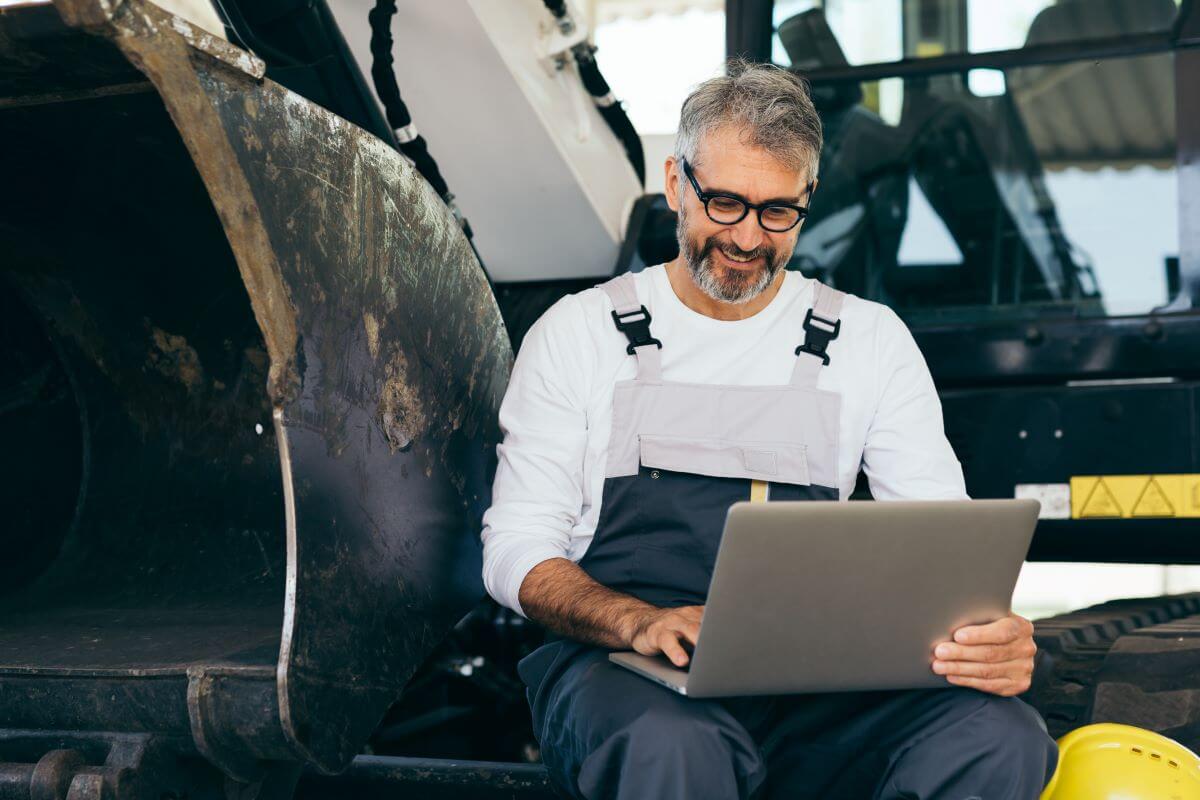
(817,339)
(636,327)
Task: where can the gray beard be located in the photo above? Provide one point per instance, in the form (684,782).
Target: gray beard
(735,287)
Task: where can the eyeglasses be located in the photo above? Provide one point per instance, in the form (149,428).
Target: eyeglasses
(729,209)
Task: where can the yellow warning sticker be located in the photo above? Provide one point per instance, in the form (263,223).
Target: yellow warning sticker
(1135,496)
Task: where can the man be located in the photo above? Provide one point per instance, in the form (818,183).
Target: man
(640,410)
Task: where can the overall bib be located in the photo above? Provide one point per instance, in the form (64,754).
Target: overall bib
(680,454)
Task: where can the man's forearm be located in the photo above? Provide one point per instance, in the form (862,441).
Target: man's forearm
(565,599)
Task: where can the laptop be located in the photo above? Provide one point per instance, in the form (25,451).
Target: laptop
(832,597)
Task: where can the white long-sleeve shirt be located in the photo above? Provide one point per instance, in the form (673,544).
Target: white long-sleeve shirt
(557,413)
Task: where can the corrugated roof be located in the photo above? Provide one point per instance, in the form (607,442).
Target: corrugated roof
(611,10)
(1099,113)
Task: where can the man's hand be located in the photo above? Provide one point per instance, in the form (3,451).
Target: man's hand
(670,631)
(996,658)
(564,598)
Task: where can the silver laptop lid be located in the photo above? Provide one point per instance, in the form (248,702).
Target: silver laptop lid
(830,596)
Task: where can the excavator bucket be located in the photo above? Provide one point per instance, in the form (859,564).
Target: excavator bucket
(249,377)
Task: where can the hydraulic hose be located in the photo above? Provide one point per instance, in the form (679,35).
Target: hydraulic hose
(409,139)
(595,84)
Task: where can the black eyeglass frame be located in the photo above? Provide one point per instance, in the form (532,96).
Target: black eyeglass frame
(705,197)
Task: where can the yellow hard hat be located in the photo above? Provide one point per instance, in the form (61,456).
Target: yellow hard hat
(1120,762)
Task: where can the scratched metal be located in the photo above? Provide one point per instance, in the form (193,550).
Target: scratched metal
(271,368)
(403,363)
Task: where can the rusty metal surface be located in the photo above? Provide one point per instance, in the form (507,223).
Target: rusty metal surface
(430,779)
(273,365)
(404,361)
(107,766)
(44,61)
(122,289)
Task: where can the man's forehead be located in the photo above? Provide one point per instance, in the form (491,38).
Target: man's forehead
(728,161)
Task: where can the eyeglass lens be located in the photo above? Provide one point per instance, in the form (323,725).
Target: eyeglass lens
(730,210)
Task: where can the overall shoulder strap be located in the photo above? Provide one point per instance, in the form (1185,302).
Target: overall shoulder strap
(822,325)
(633,320)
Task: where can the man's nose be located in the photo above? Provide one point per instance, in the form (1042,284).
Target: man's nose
(747,234)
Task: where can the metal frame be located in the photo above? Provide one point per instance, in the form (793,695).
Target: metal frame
(744,37)
(1187,154)
(748,29)
(1058,53)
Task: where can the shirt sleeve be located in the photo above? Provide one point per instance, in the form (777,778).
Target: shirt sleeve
(907,455)
(537,495)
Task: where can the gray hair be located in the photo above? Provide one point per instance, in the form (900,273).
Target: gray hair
(770,104)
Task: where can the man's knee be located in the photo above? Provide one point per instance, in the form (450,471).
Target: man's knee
(672,732)
(1002,736)
(980,745)
(1014,734)
(672,750)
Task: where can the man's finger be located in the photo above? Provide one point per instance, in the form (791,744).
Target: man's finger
(1002,631)
(949,651)
(669,644)
(999,686)
(1014,670)
(690,631)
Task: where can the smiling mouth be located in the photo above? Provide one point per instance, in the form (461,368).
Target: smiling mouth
(739,261)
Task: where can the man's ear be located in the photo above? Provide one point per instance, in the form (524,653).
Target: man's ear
(671,185)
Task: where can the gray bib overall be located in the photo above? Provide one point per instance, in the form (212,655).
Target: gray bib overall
(679,455)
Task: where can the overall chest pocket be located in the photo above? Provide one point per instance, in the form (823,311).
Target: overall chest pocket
(779,462)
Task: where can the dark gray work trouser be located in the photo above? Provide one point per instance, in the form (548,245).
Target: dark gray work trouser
(607,733)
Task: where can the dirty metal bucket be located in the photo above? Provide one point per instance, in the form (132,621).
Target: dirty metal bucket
(249,377)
